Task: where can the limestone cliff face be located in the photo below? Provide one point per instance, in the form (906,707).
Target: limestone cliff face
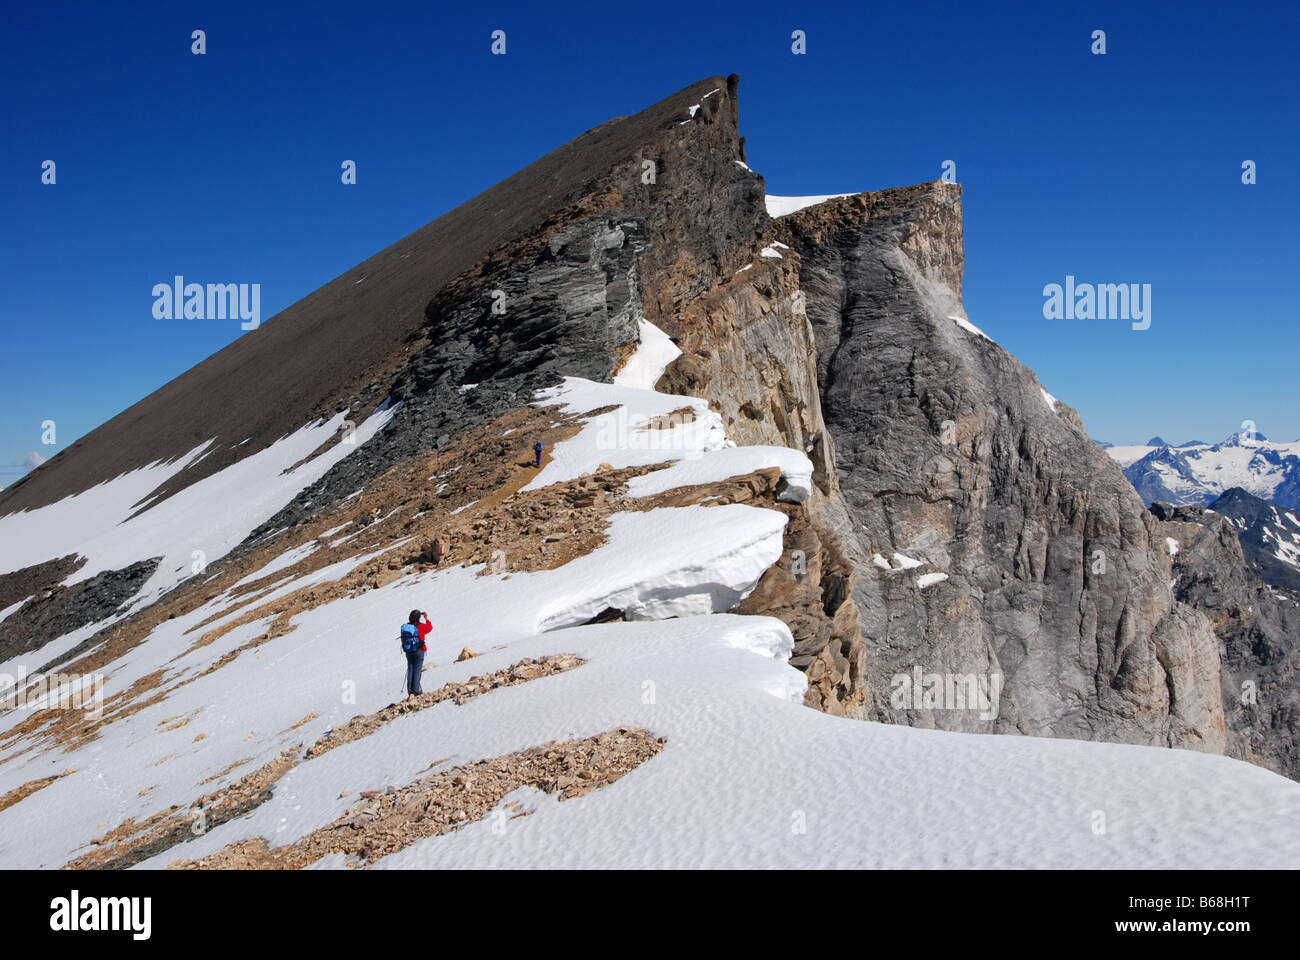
(745,342)
(1037,561)
(747,346)
(992,538)
(1258,629)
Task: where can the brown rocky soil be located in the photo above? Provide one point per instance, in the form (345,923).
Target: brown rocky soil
(387,822)
(25,790)
(458,693)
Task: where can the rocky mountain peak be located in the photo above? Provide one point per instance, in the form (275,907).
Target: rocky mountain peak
(639,448)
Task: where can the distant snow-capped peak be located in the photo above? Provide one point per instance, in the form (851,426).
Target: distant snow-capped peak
(1201,472)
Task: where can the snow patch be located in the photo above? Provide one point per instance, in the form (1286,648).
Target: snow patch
(654,578)
(288,559)
(970,327)
(620,437)
(783,206)
(212,515)
(649,361)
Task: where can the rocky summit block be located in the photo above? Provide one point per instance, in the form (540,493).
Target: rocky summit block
(1012,546)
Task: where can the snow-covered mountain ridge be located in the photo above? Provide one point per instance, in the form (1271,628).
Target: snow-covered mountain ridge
(1201,472)
(1269,535)
(782,476)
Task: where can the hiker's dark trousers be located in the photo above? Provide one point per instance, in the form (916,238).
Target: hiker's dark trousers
(414,665)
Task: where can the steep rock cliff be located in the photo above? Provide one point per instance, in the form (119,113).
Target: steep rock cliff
(991,537)
(1258,629)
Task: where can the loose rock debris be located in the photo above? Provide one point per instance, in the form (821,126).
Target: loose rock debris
(384,823)
(459,693)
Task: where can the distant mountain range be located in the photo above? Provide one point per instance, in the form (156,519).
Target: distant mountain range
(1269,535)
(1200,473)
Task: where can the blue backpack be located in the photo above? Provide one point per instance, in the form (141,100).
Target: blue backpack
(410,638)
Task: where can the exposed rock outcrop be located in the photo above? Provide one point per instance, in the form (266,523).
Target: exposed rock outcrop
(1269,535)
(1258,629)
(748,347)
(21,585)
(570,309)
(992,538)
(811,589)
(59,609)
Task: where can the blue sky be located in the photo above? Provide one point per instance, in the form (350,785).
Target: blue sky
(1122,168)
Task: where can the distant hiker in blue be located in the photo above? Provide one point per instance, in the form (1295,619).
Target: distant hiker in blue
(537,449)
(413,634)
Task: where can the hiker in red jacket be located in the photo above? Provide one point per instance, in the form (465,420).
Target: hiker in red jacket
(415,658)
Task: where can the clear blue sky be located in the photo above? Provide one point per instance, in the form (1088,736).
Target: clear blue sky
(225,167)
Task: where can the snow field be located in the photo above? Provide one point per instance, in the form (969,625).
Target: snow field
(647,364)
(211,516)
(340,661)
